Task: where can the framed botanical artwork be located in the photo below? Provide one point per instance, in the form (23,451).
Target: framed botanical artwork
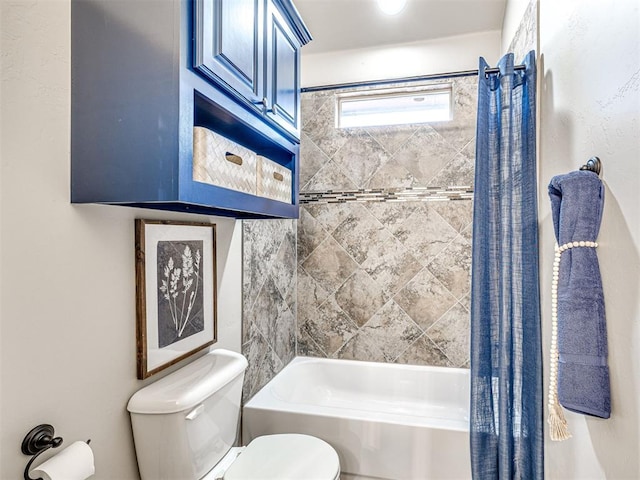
(175,292)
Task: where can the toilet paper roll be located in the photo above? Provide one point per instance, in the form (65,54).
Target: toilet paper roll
(73,463)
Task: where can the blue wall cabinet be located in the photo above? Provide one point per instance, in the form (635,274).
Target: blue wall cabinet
(145,73)
(251,48)
(229,45)
(282,71)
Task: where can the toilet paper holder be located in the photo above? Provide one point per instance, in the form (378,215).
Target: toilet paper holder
(37,441)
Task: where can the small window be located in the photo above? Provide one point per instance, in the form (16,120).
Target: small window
(394,107)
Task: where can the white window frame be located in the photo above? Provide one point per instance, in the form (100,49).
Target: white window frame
(386,93)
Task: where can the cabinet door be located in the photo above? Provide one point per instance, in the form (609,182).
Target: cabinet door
(229,44)
(283,71)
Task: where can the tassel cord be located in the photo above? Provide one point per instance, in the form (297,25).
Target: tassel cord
(558,427)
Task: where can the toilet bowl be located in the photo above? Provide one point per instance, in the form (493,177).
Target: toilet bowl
(185,426)
(282,457)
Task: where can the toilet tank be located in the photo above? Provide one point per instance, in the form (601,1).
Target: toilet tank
(184,423)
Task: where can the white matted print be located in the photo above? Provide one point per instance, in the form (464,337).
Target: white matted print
(175,291)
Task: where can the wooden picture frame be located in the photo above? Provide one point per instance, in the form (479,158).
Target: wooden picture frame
(176,304)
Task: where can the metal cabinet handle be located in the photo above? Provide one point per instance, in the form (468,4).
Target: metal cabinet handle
(265,106)
(264,103)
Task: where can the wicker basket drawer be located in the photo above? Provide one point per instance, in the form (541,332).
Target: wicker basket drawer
(274,180)
(222,162)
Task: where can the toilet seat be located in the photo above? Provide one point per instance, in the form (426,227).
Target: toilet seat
(285,457)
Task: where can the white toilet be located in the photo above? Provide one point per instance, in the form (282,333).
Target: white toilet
(185,425)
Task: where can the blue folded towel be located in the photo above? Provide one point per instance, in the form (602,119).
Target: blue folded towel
(577,201)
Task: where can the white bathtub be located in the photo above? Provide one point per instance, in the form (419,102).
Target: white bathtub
(386,421)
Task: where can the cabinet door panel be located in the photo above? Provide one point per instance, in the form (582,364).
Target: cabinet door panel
(283,72)
(285,81)
(228,45)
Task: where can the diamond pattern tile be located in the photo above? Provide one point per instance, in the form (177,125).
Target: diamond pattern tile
(329,265)
(393,175)
(374,277)
(268,369)
(266,309)
(425,299)
(329,177)
(452,267)
(310,294)
(269,299)
(283,270)
(350,158)
(261,242)
(330,215)
(451,334)
(425,154)
(310,234)
(359,232)
(320,127)
(307,347)
(458,171)
(392,214)
(425,234)
(391,265)
(392,330)
(254,349)
(314,160)
(360,347)
(424,352)
(457,213)
(310,103)
(360,297)
(391,138)
(332,327)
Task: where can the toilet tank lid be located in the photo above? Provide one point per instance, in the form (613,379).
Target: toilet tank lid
(190,385)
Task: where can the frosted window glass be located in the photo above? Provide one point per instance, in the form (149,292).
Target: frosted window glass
(376,109)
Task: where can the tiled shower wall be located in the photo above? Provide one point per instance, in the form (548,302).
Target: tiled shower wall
(525,38)
(386,280)
(269,299)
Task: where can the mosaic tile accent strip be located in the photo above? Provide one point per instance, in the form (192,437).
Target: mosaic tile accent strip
(410,194)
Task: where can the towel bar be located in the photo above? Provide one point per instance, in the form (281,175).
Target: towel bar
(593,164)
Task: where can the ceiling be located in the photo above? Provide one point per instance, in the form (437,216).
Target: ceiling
(351,24)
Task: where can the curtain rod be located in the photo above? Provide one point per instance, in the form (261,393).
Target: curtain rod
(493,71)
(373,83)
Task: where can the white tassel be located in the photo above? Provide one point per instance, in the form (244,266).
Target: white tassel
(558,427)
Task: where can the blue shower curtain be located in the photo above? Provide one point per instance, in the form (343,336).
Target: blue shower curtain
(506,350)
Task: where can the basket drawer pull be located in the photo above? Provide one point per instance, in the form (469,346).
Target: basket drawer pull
(278,176)
(233,158)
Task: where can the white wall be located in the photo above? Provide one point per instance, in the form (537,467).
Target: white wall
(452,54)
(590,105)
(67,304)
(1,210)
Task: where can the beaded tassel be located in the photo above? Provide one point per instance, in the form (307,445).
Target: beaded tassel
(558,428)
